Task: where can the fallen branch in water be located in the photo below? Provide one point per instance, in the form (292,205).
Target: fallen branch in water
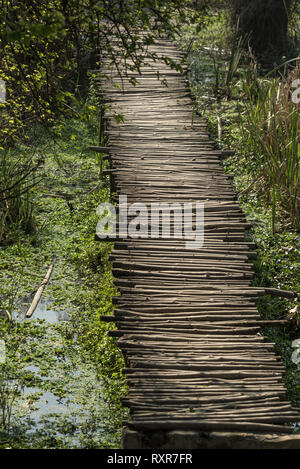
(39,292)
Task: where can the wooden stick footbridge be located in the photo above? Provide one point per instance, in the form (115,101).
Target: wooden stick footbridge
(200,373)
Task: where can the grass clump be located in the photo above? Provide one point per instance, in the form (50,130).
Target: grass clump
(271,128)
(17,178)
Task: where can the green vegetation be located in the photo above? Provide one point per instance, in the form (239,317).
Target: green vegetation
(251,115)
(41,357)
(17,177)
(47,48)
(272,128)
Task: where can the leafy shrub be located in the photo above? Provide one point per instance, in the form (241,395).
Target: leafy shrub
(47,47)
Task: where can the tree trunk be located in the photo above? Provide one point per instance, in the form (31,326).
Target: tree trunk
(264,24)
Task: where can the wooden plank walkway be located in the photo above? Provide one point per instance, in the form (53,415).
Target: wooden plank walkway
(187,321)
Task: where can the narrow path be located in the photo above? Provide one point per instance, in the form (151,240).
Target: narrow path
(187,321)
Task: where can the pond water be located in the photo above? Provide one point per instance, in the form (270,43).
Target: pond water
(44,311)
(68,408)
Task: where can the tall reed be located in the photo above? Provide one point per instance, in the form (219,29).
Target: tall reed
(272,130)
(16,181)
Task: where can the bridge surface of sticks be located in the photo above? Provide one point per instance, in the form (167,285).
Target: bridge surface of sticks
(200,373)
